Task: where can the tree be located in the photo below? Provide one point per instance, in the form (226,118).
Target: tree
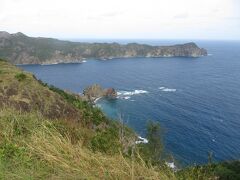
(155,146)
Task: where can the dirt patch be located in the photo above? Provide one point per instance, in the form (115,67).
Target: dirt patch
(11,91)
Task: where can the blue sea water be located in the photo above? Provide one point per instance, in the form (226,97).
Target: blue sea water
(196,100)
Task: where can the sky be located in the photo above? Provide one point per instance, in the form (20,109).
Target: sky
(123,19)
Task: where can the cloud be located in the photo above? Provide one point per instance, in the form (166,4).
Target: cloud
(233,18)
(105,15)
(181,16)
(122,19)
(111,14)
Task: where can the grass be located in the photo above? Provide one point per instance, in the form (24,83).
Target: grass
(33,147)
(30,94)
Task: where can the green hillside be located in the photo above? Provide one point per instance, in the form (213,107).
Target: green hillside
(20,49)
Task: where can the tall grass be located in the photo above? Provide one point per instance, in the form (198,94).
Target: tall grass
(33,147)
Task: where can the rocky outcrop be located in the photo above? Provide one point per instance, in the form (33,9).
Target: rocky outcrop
(91,93)
(21,49)
(110,93)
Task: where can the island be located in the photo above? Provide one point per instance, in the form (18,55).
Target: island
(19,48)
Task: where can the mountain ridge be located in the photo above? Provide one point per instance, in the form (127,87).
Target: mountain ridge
(19,48)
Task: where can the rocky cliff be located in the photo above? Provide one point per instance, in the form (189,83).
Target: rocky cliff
(95,91)
(21,49)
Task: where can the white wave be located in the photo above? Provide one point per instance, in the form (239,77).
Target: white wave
(127,97)
(84,61)
(210,54)
(171,165)
(130,93)
(49,64)
(167,89)
(141,140)
(96,100)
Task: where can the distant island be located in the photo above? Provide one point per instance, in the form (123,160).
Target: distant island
(20,49)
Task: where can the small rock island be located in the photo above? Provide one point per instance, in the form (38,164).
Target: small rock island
(94,92)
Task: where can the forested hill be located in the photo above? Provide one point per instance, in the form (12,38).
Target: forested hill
(20,49)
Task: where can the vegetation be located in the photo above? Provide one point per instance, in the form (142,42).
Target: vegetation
(90,113)
(19,48)
(2,60)
(155,146)
(20,76)
(32,147)
(153,150)
(222,171)
(48,133)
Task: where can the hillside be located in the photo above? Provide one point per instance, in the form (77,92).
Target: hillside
(47,133)
(20,49)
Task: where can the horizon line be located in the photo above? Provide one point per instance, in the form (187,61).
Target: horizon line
(116,38)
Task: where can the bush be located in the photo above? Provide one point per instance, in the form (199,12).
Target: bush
(90,114)
(3,60)
(20,76)
(106,141)
(155,145)
(227,170)
(152,152)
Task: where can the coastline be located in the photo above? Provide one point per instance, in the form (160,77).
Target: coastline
(107,59)
(96,100)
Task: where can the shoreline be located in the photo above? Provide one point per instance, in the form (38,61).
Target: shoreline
(96,100)
(106,59)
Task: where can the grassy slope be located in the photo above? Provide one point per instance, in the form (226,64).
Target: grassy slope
(34,147)
(38,143)
(48,133)
(20,90)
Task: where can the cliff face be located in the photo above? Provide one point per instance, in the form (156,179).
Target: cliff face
(95,91)
(21,49)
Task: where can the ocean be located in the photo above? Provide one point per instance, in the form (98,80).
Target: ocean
(196,100)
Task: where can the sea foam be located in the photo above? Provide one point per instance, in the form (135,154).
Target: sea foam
(167,89)
(128,94)
(141,140)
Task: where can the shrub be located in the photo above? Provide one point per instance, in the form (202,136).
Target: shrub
(2,60)
(20,76)
(106,141)
(90,114)
(152,152)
